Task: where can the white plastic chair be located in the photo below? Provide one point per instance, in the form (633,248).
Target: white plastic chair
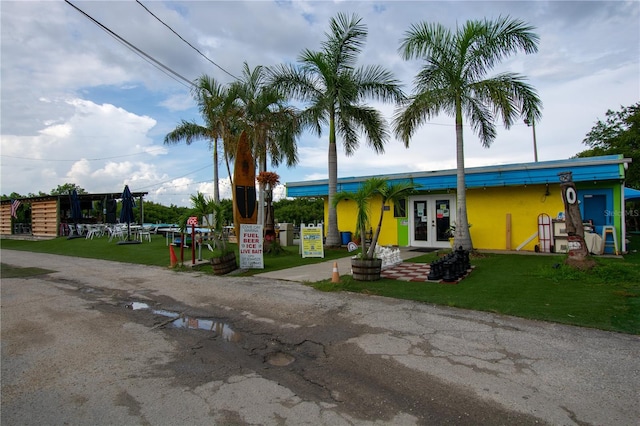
(93,231)
(115,231)
(72,229)
(144,233)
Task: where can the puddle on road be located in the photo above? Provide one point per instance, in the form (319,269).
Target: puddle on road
(279,359)
(183,321)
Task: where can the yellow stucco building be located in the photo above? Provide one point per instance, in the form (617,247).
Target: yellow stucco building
(509,207)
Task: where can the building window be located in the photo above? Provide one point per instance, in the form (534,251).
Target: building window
(400,208)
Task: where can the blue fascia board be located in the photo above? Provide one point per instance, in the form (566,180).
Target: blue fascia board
(588,169)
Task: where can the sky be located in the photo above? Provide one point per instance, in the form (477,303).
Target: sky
(78,105)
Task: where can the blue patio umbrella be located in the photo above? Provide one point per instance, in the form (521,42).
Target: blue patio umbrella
(126,214)
(76,210)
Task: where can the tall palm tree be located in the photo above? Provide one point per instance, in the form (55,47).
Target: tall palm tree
(335,89)
(454,80)
(216,108)
(272,126)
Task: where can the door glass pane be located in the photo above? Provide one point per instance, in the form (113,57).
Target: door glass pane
(420,222)
(443,220)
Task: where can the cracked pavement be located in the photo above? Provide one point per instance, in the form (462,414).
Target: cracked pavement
(99,342)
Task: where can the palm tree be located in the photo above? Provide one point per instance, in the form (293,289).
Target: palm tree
(211,211)
(335,89)
(272,126)
(217,111)
(390,193)
(454,80)
(369,189)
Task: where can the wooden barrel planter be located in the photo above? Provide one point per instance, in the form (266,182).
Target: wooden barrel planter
(366,269)
(224,264)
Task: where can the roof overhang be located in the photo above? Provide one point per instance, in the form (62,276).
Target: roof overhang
(587,169)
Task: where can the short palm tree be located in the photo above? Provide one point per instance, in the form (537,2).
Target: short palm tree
(211,211)
(370,189)
(335,89)
(454,80)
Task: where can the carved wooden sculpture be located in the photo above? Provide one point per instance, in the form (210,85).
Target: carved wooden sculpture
(573,218)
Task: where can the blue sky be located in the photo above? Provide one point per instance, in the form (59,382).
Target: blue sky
(78,106)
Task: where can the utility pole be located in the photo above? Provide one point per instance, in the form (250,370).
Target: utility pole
(532,123)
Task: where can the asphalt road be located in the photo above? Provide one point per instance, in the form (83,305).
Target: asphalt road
(98,342)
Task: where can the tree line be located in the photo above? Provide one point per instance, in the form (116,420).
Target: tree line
(296,211)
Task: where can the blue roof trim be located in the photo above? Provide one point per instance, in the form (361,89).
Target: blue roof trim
(586,169)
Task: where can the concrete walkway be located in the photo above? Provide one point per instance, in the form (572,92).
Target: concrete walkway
(324,270)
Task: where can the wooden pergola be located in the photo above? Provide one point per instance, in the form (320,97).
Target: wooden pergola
(48,212)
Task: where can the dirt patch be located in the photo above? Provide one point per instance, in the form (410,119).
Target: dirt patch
(583,265)
(10,271)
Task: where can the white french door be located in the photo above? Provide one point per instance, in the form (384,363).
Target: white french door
(430,218)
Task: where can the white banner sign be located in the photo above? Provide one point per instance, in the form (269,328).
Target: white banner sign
(250,244)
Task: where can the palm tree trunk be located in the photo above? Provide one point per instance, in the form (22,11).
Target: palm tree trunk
(226,161)
(262,167)
(216,186)
(333,235)
(376,234)
(462,235)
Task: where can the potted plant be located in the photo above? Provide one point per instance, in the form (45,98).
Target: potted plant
(365,266)
(224,258)
(451,233)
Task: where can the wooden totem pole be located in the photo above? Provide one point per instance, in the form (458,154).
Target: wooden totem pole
(573,219)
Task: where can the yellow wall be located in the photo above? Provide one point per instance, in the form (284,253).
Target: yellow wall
(347,212)
(487,212)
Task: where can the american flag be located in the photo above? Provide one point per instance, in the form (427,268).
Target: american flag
(14,207)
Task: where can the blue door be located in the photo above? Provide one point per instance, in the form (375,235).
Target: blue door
(595,209)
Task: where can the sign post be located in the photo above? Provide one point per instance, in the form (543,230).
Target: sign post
(193,221)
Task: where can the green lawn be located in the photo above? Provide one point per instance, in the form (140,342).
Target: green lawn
(155,253)
(537,287)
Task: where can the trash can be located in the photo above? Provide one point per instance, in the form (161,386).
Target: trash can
(346,237)
(286,234)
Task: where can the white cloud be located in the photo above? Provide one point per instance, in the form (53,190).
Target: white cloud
(89,149)
(178,102)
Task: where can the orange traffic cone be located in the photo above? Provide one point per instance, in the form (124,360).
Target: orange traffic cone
(172,255)
(335,277)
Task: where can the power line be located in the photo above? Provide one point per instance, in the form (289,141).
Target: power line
(132,47)
(181,38)
(176,177)
(80,159)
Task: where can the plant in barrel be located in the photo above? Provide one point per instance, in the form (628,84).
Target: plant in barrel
(369,190)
